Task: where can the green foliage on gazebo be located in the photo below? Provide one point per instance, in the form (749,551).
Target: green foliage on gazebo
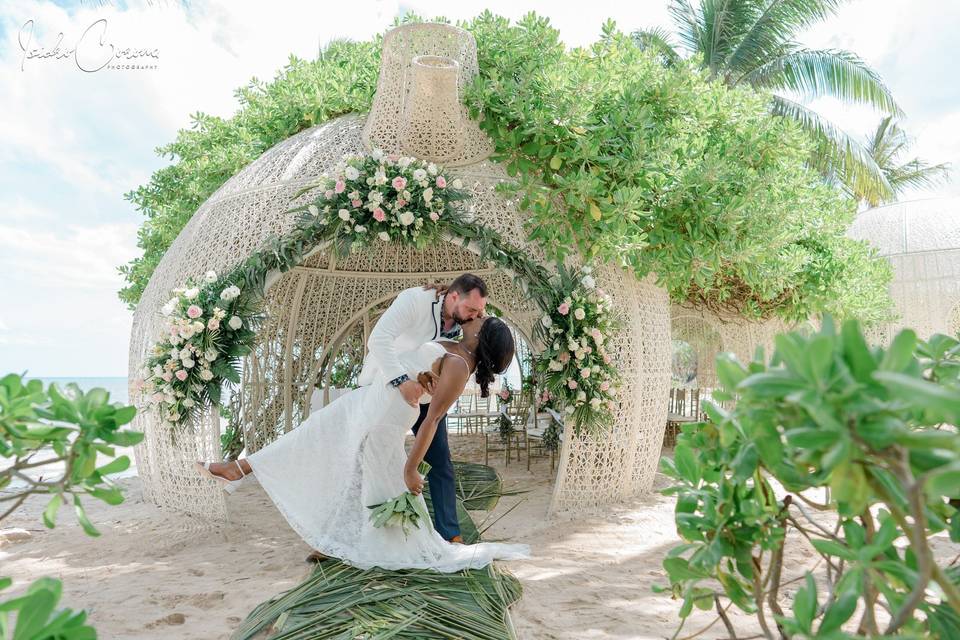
(616,156)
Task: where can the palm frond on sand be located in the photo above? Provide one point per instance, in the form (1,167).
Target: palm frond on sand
(341,602)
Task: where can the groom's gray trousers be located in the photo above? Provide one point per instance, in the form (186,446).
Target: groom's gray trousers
(443,490)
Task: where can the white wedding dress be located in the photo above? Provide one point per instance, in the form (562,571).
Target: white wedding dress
(350,454)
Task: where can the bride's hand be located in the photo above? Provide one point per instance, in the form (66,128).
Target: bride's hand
(413,480)
(427,380)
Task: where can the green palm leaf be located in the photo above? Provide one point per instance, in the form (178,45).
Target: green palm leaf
(837,155)
(814,73)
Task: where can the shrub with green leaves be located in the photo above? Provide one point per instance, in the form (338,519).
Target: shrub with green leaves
(615,156)
(827,412)
(41,427)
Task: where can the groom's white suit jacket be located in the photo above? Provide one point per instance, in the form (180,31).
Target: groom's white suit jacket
(412,319)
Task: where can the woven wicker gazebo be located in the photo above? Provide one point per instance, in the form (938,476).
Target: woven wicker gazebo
(921,239)
(311,308)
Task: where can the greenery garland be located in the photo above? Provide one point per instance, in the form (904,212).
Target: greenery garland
(212,322)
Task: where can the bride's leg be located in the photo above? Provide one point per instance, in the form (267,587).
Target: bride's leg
(229,470)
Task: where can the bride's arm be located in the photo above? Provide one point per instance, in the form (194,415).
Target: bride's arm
(453,377)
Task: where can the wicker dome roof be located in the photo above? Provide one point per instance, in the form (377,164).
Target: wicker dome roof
(921,239)
(914,226)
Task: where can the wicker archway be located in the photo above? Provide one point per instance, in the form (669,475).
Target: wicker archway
(307,306)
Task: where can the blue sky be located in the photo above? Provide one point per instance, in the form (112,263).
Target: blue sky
(73,142)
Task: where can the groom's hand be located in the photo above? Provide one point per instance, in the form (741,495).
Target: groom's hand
(411,391)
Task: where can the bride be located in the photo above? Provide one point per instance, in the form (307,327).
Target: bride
(349,455)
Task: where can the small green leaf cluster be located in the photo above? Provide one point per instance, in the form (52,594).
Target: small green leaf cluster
(42,427)
(871,425)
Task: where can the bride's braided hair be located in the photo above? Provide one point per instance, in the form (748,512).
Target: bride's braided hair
(494,352)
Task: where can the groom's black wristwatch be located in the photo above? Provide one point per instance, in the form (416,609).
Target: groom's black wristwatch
(399,380)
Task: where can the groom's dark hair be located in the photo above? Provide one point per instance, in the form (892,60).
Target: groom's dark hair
(466,283)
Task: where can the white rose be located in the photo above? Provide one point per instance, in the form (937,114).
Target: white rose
(188,402)
(457,183)
(579,313)
(589,282)
(314,211)
(546,321)
(191,293)
(210,355)
(383,235)
(352,173)
(432,169)
(595,403)
(197,326)
(184,354)
(581,396)
(428,194)
(168,308)
(406,218)
(230,293)
(555,366)
(188,363)
(377,154)
(419,174)
(235,322)
(206,374)
(404,162)
(210,276)
(360,228)
(343,214)
(175,354)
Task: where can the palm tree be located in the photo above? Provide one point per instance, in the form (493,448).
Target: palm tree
(887,146)
(752,42)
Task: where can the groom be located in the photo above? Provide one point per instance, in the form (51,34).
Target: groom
(418,315)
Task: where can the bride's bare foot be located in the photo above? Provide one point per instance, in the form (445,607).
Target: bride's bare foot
(229,470)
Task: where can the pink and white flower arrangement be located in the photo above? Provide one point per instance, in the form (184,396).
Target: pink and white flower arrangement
(576,368)
(196,349)
(385,197)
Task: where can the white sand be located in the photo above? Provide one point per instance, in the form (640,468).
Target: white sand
(155,574)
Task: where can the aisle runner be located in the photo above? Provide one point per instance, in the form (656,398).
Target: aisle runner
(343,602)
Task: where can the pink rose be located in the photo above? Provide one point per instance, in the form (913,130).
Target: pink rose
(441,182)
(167,376)
(564,309)
(564,357)
(379,215)
(158,397)
(339,187)
(606,359)
(572,384)
(213,324)
(401,202)
(399,183)
(194,311)
(328,194)
(181,374)
(434,216)
(611,405)
(604,385)
(356,203)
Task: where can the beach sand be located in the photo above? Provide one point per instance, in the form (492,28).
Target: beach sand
(157,574)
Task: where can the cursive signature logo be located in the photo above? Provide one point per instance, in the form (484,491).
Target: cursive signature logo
(91,53)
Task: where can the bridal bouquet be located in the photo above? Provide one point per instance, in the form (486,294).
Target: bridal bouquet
(405,510)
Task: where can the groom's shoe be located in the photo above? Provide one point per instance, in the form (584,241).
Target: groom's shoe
(457,539)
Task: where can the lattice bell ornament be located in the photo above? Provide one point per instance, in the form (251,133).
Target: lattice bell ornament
(417,109)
